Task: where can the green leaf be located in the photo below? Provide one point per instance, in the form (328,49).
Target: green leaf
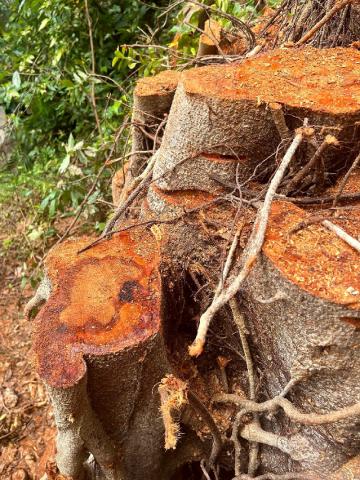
(16,80)
(64,164)
(43,24)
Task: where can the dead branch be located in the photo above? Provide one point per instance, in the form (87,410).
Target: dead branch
(228,263)
(289,409)
(318,200)
(342,234)
(336,8)
(296,180)
(345,179)
(253,248)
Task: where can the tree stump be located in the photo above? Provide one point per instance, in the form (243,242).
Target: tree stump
(152,101)
(111,330)
(226,109)
(303,305)
(100,351)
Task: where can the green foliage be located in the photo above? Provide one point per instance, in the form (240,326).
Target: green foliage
(45,86)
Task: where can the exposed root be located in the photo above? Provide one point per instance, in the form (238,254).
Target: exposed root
(293,446)
(196,403)
(253,248)
(254,448)
(290,410)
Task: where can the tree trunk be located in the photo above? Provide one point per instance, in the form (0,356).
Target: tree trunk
(121,315)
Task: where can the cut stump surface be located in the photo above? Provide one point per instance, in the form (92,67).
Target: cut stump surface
(313,258)
(323,80)
(227,109)
(103,300)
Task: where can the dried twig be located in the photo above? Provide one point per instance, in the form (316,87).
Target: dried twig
(342,234)
(296,180)
(92,188)
(228,263)
(345,179)
(336,8)
(253,248)
(156,221)
(318,200)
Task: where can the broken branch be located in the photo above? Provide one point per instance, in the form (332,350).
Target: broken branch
(253,248)
(345,179)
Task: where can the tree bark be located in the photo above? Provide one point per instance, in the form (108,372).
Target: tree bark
(120,316)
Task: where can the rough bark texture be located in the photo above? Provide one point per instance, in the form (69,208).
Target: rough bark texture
(111,331)
(226,110)
(310,334)
(98,341)
(152,100)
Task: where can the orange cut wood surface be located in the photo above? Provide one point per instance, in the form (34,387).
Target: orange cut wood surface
(323,80)
(103,300)
(183,198)
(162,84)
(352,184)
(313,258)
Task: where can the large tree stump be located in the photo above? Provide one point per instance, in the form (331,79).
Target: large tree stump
(100,351)
(303,304)
(226,110)
(152,101)
(111,331)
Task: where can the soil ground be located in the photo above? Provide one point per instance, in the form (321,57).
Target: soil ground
(26,421)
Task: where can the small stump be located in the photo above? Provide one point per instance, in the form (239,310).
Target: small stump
(99,349)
